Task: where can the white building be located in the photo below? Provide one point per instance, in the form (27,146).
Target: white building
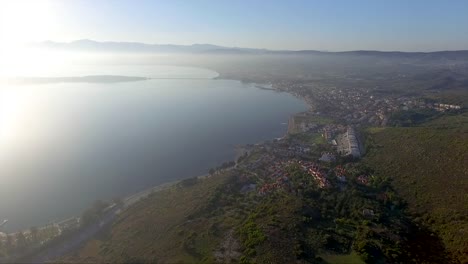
(348,144)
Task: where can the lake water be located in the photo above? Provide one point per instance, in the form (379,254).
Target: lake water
(63,146)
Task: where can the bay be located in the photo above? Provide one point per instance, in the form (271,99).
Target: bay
(65,145)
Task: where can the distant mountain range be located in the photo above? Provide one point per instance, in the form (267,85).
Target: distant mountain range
(109,46)
(136,47)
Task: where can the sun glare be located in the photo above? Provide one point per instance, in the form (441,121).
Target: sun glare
(13,114)
(22,22)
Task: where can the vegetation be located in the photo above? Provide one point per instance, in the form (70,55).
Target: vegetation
(171,225)
(410,209)
(352,258)
(412,117)
(211,220)
(427,165)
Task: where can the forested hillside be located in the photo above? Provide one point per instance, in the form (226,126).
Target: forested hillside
(427,166)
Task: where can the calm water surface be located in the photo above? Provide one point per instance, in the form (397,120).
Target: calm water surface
(63,146)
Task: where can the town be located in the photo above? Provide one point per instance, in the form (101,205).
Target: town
(358,106)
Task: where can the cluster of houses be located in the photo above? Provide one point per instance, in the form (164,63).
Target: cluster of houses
(45,233)
(287,152)
(356,105)
(278,169)
(301,149)
(445,107)
(315,171)
(340,173)
(68,224)
(363,179)
(277,172)
(282,182)
(274,158)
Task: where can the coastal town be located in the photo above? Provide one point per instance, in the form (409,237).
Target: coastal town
(321,148)
(233,132)
(312,147)
(358,99)
(315,144)
(358,106)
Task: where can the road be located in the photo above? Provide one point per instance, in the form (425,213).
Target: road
(76,240)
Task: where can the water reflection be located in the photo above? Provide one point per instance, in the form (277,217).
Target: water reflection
(66,145)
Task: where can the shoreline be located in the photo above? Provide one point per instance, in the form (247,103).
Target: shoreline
(238,149)
(113,211)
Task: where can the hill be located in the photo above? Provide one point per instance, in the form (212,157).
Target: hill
(112,46)
(137,47)
(427,166)
(269,208)
(160,228)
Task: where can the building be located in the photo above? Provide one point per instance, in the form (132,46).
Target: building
(443,107)
(327,134)
(348,144)
(327,157)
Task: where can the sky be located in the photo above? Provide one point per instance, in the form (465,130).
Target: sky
(332,25)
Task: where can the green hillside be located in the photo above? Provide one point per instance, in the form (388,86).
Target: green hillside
(161,228)
(428,167)
(405,202)
(213,220)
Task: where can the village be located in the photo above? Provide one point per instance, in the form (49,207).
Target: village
(357,105)
(311,148)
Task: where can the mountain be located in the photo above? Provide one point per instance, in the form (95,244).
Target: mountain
(136,47)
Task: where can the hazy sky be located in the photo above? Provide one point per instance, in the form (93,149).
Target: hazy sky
(293,24)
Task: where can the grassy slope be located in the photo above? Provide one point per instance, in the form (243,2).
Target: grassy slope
(428,166)
(188,224)
(159,229)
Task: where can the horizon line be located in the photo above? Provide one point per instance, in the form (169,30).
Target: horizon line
(234,47)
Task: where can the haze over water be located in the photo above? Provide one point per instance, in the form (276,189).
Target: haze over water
(63,146)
